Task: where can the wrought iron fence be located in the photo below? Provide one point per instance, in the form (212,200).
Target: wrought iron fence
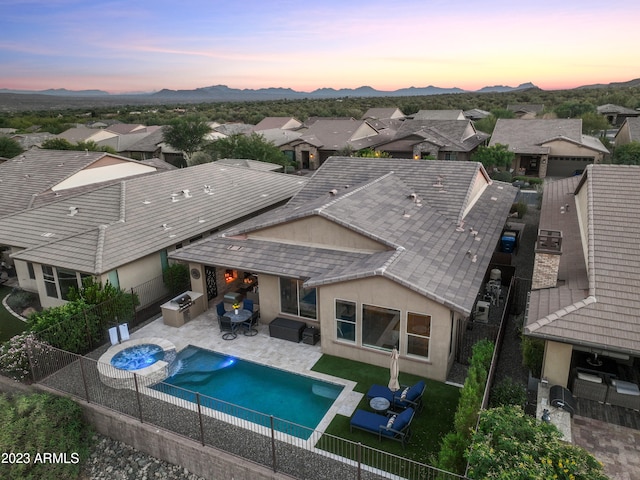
(275,443)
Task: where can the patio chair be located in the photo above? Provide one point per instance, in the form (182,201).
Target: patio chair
(392,426)
(223,322)
(123,328)
(403,398)
(255,315)
(113,335)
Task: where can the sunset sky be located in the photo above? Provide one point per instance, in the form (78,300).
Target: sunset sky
(126,46)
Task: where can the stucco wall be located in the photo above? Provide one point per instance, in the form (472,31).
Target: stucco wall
(376,291)
(560,148)
(140,271)
(556,364)
(319,231)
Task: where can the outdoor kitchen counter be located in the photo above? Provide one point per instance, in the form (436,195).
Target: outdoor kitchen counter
(173,316)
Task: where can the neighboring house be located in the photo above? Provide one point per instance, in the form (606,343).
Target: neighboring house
(252,164)
(154,146)
(437,139)
(38,176)
(29,140)
(585,303)
(476,114)
(628,132)
(526,111)
(615,114)
(375,252)
(282,123)
(123,232)
(384,113)
(323,137)
(79,134)
(548,148)
(439,115)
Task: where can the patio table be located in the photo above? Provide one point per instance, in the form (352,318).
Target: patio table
(236,320)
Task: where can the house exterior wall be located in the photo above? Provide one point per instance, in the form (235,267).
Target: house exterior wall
(313,152)
(141,271)
(320,232)
(376,291)
(383,292)
(623,136)
(22,273)
(556,363)
(560,148)
(581,202)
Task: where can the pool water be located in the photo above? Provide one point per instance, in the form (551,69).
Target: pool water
(226,380)
(138,356)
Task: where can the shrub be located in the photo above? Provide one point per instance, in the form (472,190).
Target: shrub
(38,424)
(510,444)
(520,208)
(532,355)
(502,176)
(176,278)
(14,358)
(508,392)
(529,180)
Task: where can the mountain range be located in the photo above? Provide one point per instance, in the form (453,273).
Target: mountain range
(225,93)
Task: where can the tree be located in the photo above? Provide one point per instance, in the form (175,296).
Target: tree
(63,144)
(9,148)
(510,444)
(252,147)
(372,153)
(198,158)
(187,134)
(57,144)
(627,154)
(574,109)
(495,156)
(593,123)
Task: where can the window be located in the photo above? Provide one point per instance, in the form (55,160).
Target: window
(66,280)
(49,281)
(418,334)
(380,327)
(296,299)
(32,273)
(346,320)
(451,156)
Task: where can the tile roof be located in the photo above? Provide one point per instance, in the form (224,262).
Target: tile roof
(120,223)
(449,135)
(438,115)
(36,171)
(599,305)
(529,136)
(254,164)
(393,202)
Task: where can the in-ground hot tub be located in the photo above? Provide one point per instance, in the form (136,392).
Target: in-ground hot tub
(147,358)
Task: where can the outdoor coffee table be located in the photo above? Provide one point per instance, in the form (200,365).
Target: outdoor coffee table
(379,404)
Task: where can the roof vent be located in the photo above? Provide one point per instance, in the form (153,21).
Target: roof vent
(333,192)
(186,194)
(166,227)
(174,197)
(208,190)
(73,211)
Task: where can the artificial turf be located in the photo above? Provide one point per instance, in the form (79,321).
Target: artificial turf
(428,427)
(9,325)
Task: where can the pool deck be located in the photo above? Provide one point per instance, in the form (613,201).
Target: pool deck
(203,332)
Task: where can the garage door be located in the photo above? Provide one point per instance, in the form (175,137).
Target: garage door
(566,166)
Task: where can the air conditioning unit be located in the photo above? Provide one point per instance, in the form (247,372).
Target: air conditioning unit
(481,313)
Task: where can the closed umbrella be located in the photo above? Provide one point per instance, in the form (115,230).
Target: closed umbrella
(394,368)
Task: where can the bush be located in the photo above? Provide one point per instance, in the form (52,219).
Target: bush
(176,278)
(520,208)
(501,176)
(14,358)
(41,423)
(532,355)
(529,180)
(508,392)
(510,444)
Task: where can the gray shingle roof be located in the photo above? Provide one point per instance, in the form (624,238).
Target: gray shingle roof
(598,306)
(120,223)
(422,246)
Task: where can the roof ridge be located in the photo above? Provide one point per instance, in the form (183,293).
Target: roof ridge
(558,314)
(352,192)
(102,233)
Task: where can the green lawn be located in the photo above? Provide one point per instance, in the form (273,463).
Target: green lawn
(9,325)
(428,427)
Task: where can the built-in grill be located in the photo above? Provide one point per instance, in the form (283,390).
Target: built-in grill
(184,301)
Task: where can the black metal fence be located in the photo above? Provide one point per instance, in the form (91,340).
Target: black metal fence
(272,442)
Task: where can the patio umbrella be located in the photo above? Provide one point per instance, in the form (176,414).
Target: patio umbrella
(394,368)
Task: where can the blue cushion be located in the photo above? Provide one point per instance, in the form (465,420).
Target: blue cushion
(415,391)
(380,391)
(368,420)
(220,309)
(403,419)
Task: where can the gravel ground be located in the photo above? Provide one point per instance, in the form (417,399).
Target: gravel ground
(112,460)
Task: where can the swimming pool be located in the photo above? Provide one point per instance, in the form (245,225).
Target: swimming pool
(289,397)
